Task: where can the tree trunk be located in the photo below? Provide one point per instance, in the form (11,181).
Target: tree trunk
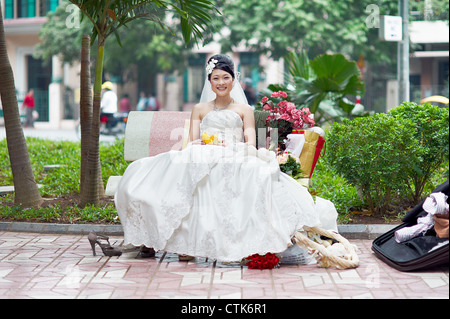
(25,188)
(85,110)
(94,189)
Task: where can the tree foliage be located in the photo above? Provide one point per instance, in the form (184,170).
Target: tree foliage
(54,35)
(143,45)
(318,26)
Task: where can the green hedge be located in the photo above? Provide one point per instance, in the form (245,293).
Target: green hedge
(394,156)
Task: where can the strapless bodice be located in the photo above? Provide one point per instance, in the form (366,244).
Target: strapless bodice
(227,124)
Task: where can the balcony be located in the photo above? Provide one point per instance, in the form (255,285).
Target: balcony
(24,25)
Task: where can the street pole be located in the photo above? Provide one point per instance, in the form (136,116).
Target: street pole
(403,54)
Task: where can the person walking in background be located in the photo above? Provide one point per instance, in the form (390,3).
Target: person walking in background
(109,99)
(125,104)
(29,106)
(153,103)
(108,105)
(142,102)
(250,92)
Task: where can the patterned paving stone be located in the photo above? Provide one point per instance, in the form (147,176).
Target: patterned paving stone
(55,266)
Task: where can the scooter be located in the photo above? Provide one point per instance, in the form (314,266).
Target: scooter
(111,125)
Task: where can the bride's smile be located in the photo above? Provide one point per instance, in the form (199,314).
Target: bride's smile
(221,82)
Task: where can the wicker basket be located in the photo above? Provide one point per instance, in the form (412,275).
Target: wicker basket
(325,256)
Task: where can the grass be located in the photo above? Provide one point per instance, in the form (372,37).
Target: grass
(64,182)
(60,182)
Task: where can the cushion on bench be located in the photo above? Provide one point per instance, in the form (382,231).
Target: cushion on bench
(149,134)
(152,133)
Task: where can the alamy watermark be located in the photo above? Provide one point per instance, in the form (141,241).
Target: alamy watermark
(373,18)
(73,19)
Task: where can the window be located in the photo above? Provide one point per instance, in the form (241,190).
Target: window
(249,67)
(9,9)
(194,78)
(48,6)
(26,8)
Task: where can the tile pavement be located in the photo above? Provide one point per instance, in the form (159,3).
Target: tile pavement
(40,265)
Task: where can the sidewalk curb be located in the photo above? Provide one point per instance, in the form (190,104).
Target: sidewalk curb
(81,229)
(353,231)
(362,231)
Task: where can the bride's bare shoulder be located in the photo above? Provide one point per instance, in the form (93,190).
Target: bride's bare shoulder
(201,106)
(244,108)
(200,109)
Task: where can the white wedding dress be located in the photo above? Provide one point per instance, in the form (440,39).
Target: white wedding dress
(224,203)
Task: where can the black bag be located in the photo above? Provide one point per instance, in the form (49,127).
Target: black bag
(417,253)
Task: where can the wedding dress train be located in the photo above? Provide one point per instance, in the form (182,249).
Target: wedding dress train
(224,203)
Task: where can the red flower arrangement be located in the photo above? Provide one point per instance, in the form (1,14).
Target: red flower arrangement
(268,261)
(284,113)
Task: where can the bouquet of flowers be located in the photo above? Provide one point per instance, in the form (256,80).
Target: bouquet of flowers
(213,139)
(290,165)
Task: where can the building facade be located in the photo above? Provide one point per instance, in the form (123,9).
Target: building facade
(22,22)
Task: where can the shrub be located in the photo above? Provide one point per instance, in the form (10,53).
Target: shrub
(334,187)
(432,132)
(372,153)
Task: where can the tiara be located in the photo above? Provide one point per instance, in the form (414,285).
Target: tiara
(211,65)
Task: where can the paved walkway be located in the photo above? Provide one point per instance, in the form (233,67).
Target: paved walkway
(34,265)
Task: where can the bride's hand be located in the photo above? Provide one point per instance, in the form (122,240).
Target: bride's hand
(198,142)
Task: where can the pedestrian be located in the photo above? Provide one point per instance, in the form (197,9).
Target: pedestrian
(108,105)
(142,102)
(29,106)
(249,92)
(125,104)
(153,103)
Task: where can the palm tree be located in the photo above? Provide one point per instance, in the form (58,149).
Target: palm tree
(322,84)
(25,188)
(85,107)
(106,17)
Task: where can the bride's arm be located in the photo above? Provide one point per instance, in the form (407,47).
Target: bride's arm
(249,126)
(194,125)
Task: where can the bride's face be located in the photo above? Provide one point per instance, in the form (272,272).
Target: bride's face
(221,82)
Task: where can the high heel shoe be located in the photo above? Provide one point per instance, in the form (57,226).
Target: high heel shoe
(182,257)
(107,249)
(146,252)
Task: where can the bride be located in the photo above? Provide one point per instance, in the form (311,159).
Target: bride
(225,201)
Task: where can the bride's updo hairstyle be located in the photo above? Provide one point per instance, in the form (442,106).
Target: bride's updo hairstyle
(221,62)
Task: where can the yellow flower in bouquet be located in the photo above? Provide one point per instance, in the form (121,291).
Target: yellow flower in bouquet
(213,139)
